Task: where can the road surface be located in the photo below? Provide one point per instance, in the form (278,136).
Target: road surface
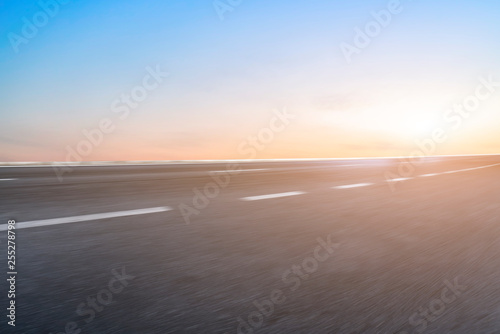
(263,247)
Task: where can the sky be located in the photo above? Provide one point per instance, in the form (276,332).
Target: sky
(202,79)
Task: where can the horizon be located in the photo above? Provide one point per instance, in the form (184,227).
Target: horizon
(162,162)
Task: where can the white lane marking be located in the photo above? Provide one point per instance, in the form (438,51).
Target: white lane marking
(8,179)
(469,169)
(76,219)
(350,165)
(236,171)
(257,198)
(475,168)
(460,170)
(349,186)
(400,179)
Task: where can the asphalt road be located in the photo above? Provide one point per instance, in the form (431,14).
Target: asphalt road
(278,247)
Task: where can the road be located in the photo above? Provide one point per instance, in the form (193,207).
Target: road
(276,247)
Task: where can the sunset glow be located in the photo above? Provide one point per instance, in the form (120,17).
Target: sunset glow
(226,75)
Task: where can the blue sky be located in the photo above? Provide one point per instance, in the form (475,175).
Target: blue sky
(226,77)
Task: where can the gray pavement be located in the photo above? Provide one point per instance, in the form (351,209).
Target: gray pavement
(349,252)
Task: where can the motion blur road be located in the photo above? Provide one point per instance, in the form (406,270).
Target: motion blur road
(280,247)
